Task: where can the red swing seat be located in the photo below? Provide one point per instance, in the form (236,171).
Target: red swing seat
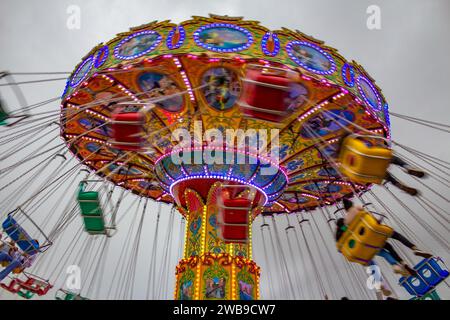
(233,218)
(34,285)
(128,131)
(265,94)
(13,286)
(31,284)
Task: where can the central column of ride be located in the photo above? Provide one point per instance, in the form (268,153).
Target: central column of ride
(213,268)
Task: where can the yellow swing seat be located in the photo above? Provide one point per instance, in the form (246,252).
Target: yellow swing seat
(362,163)
(363,238)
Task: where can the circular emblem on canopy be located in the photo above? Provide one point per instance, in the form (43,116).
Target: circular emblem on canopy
(82,71)
(160,88)
(222,88)
(311,57)
(369,93)
(137,45)
(223,37)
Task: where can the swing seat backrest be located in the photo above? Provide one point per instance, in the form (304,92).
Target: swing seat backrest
(13,286)
(36,286)
(92,212)
(363,163)
(430,273)
(235,211)
(128,130)
(233,219)
(67,296)
(265,96)
(363,238)
(233,234)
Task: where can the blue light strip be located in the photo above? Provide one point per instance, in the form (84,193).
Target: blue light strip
(349,67)
(105,51)
(221,178)
(374,90)
(272,195)
(264,41)
(88,60)
(180,41)
(387,117)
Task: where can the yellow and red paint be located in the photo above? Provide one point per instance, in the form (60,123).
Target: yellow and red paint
(216,270)
(239,275)
(185,63)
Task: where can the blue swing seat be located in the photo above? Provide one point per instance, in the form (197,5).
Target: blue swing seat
(430,273)
(20,236)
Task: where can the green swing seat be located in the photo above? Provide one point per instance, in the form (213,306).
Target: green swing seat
(3,115)
(68,296)
(91,211)
(433,295)
(26,294)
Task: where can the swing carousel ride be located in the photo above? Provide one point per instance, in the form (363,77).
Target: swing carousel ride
(326,136)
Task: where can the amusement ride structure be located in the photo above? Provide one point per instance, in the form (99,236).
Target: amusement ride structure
(226,121)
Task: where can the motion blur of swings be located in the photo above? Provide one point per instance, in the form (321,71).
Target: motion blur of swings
(364,161)
(21,250)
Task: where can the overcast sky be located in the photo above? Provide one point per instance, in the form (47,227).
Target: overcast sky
(408,58)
